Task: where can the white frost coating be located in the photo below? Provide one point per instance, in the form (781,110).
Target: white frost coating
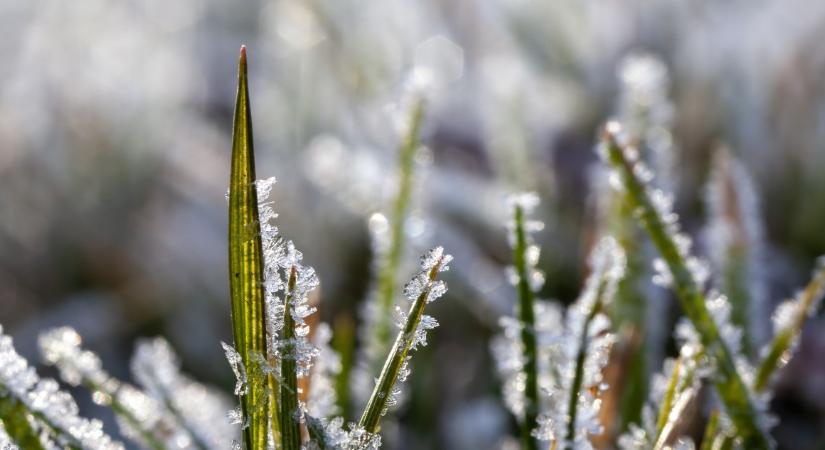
(692,367)
(50,406)
(434,259)
(199,409)
(280,258)
(647,112)
(792,311)
(527,201)
(147,417)
(734,237)
(322,398)
(585,331)
(336,437)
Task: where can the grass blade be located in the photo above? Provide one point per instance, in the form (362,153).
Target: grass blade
(425,289)
(526,315)
(660,223)
(790,317)
(246,265)
(290,428)
(388,272)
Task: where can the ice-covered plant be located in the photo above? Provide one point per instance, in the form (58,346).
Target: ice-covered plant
(563,359)
(36,414)
(688,275)
(734,238)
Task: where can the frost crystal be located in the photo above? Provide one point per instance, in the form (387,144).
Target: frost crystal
(235,361)
(200,410)
(335,437)
(140,416)
(646,111)
(280,258)
(56,409)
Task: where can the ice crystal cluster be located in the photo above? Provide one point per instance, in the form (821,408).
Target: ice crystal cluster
(671,392)
(572,347)
(52,412)
(788,317)
(172,411)
(582,352)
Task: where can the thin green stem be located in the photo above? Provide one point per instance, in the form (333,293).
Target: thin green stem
(581,357)
(246,267)
(288,399)
(732,390)
(388,272)
(526,313)
(382,392)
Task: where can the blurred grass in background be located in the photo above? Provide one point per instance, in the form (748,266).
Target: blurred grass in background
(115,142)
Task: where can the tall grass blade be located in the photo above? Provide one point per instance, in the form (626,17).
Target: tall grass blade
(246,267)
(526,315)
(686,275)
(423,288)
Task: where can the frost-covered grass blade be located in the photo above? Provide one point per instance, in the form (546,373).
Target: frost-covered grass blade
(422,289)
(788,320)
(246,267)
(526,301)
(686,274)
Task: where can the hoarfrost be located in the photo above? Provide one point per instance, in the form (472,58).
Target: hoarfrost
(57,408)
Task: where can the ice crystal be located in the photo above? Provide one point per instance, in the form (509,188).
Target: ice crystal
(336,437)
(54,409)
(141,417)
(236,363)
(647,112)
(199,409)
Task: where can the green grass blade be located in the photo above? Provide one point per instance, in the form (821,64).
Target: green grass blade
(290,428)
(526,315)
(246,266)
(388,272)
(13,415)
(711,431)
(799,310)
(729,384)
(581,357)
(397,357)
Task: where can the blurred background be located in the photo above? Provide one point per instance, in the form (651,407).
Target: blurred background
(115,129)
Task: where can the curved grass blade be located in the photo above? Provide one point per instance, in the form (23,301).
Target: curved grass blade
(729,384)
(793,313)
(246,266)
(408,337)
(526,315)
